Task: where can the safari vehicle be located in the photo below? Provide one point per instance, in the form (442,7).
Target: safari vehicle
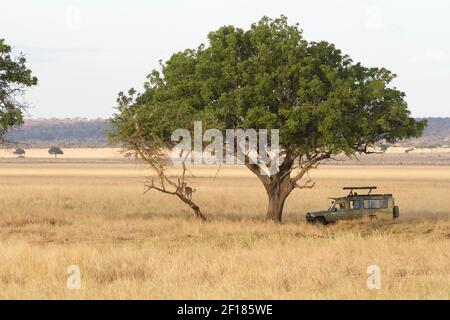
(357,206)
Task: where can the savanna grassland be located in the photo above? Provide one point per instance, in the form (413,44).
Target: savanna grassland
(127,244)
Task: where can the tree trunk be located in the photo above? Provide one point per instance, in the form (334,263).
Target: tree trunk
(278,187)
(198,213)
(275,208)
(277,191)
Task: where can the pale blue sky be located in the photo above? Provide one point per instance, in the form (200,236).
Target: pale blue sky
(84,52)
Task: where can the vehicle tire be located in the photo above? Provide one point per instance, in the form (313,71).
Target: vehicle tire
(396,212)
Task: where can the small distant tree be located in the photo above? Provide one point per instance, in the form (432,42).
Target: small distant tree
(20,152)
(55,151)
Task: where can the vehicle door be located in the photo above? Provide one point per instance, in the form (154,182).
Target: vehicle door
(355,209)
(341,211)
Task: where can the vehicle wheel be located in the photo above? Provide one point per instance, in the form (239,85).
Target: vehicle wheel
(396,212)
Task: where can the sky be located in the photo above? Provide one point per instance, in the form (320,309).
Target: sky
(85,52)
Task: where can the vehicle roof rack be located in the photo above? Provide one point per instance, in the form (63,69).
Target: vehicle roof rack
(359,188)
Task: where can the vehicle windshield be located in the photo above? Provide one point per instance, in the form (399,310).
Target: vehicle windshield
(333,205)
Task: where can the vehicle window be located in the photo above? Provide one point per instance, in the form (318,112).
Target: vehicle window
(333,205)
(341,206)
(355,204)
(376,204)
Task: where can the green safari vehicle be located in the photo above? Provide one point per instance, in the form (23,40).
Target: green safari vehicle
(357,206)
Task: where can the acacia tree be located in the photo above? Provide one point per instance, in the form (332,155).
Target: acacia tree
(20,152)
(55,151)
(270,77)
(15,77)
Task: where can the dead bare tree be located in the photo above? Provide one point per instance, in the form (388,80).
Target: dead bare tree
(155,153)
(162,183)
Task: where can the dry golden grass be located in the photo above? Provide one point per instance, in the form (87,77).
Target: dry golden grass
(131,245)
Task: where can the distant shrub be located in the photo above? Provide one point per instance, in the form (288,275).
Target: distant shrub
(19,152)
(54,150)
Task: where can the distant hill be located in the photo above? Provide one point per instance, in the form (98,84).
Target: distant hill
(80,132)
(437,134)
(63,132)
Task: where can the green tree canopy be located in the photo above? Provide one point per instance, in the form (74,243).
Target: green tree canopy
(15,77)
(270,77)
